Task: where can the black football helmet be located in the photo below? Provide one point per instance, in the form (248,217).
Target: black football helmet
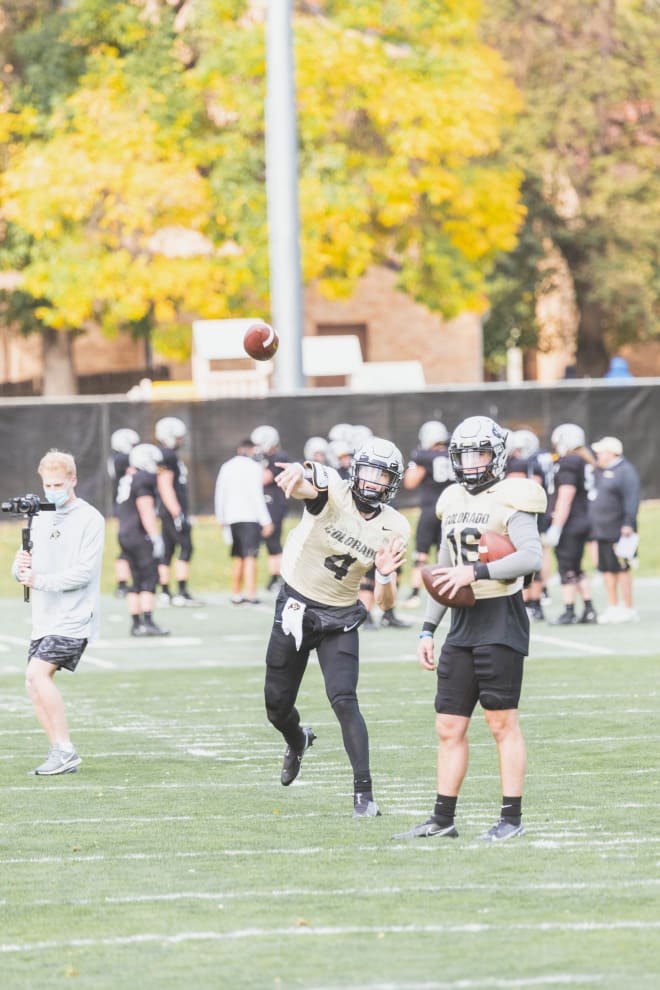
(374,457)
(476,435)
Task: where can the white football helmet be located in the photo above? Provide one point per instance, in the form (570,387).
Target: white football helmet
(341,431)
(360,435)
(374,457)
(341,448)
(431,433)
(170,431)
(146,457)
(122,441)
(524,441)
(567,437)
(265,438)
(473,436)
(316,448)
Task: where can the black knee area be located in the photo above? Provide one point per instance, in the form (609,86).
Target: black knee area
(344,706)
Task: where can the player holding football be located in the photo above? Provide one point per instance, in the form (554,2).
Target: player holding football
(482,656)
(347,526)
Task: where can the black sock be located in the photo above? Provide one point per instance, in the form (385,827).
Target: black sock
(147,618)
(570,609)
(122,585)
(588,605)
(136,620)
(183,587)
(511,809)
(165,588)
(362,784)
(445,809)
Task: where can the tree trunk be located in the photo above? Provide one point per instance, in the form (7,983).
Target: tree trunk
(591,357)
(59,373)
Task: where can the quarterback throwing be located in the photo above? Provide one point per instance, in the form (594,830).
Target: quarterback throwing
(347,527)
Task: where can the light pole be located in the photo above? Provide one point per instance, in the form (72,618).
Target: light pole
(282,195)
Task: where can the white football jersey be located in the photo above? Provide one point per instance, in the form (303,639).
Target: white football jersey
(326,555)
(466,516)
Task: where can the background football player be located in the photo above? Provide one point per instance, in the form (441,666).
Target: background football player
(171,433)
(429,472)
(122,442)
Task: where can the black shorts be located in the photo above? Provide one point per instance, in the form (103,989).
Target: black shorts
(246,539)
(608,562)
(61,651)
(489,674)
(274,541)
(569,552)
(140,556)
(173,538)
(429,531)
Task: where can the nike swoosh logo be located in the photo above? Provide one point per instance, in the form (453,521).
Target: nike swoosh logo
(348,628)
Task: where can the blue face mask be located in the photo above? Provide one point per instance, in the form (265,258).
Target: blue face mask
(57,498)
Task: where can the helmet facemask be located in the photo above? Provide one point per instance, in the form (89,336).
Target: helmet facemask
(472,440)
(376,473)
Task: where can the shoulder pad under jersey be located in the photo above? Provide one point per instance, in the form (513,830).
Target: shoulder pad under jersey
(521,494)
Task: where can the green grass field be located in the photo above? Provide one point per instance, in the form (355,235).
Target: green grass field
(174,858)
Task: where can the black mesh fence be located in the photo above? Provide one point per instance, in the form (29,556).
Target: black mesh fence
(29,427)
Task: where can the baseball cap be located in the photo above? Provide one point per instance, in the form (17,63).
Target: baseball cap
(610,444)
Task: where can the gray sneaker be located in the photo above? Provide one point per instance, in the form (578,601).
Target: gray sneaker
(364,806)
(500,831)
(428,829)
(59,761)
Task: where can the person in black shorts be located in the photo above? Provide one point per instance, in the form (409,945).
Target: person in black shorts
(140,537)
(429,473)
(481,659)
(613,510)
(171,433)
(570,527)
(122,442)
(267,443)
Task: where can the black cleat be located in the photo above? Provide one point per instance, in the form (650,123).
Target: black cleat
(428,829)
(534,611)
(565,619)
(390,621)
(149,629)
(588,617)
(502,830)
(293,759)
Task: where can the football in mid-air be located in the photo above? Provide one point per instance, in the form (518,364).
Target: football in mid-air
(464,597)
(494,546)
(260,341)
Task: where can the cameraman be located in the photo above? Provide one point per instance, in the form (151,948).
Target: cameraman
(64,572)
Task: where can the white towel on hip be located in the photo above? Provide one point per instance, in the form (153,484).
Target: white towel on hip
(292,619)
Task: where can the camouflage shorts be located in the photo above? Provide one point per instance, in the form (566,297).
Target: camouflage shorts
(63,651)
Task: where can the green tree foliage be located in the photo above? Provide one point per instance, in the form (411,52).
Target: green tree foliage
(588,142)
(133,158)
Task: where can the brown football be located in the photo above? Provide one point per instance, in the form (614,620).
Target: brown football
(261,341)
(494,546)
(464,597)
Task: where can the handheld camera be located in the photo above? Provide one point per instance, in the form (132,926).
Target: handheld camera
(29,506)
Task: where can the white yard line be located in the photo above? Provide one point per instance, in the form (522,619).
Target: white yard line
(334,931)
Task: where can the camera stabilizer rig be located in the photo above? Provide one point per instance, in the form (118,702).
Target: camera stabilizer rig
(28,506)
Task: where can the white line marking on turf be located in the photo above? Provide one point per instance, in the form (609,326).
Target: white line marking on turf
(156,643)
(473,928)
(571,644)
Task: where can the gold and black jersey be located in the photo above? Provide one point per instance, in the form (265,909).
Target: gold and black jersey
(327,554)
(466,516)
